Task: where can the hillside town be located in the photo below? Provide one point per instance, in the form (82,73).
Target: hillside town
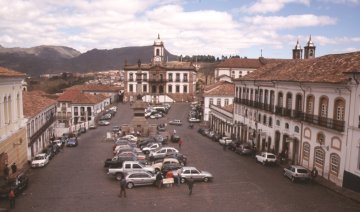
(304,112)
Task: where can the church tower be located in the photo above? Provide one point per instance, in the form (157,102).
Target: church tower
(297,51)
(309,50)
(158,51)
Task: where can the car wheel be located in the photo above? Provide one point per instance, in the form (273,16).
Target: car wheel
(264,163)
(293,179)
(206,179)
(119,176)
(182,180)
(130,185)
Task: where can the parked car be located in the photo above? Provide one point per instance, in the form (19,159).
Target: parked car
(181,158)
(139,179)
(216,137)
(103,123)
(82,130)
(175,122)
(127,167)
(116,129)
(225,140)
(19,183)
(162,152)
(151,147)
(92,126)
(170,167)
(245,149)
(188,172)
(72,142)
(233,145)
(117,161)
(266,158)
(159,164)
(175,138)
(161,127)
(40,160)
(194,120)
(295,173)
(130,137)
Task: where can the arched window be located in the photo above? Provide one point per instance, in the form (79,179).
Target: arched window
(211,101)
(270,121)
(280,100)
(298,102)
(310,104)
(319,157)
(288,101)
(287,126)
(323,107)
(339,110)
(296,129)
(334,163)
(306,151)
(157,52)
(131,77)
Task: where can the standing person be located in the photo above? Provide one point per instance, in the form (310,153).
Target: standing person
(174,131)
(190,183)
(13,168)
(12,198)
(178,176)
(122,186)
(159,179)
(180,143)
(6,172)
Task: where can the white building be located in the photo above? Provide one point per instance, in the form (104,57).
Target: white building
(307,109)
(40,113)
(220,94)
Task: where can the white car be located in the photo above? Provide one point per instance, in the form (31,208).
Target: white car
(130,137)
(225,140)
(188,172)
(40,160)
(162,152)
(194,120)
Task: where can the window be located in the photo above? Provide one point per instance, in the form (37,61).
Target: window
(319,157)
(161,89)
(280,99)
(145,77)
(144,88)
(177,77)
(270,121)
(218,103)
(264,119)
(278,122)
(131,88)
(334,163)
(287,126)
(177,88)
(211,101)
(310,105)
(157,52)
(323,107)
(185,89)
(170,77)
(185,78)
(226,101)
(339,110)
(306,151)
(288,101)
(131,77)
(153,89)
(170,88)
(296,129)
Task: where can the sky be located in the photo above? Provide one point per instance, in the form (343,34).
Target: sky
(188,27)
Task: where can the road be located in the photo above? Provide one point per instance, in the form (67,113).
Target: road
(75,180)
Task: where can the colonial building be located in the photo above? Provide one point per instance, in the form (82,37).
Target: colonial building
(307,109)
(113,92)
(162,81)
(220,94)
(13,143)
(222,120)
(76,109)
(40,113)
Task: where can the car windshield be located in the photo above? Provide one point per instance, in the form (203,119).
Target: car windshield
(39,158)
(271,156)
(302,171)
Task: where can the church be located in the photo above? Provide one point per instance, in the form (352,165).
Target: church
(160,80)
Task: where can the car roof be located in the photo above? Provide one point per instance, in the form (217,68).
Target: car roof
(40,154)
(298,167)
(188,167)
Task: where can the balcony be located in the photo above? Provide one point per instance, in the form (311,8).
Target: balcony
(157,80)
(40,131)
(324,122)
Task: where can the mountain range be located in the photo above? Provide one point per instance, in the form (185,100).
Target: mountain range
(46,59)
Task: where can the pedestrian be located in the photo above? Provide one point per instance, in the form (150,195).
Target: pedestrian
(169,175)
(159,179)
(122,186)
(178,179)
(174,131)
(6,172)
(190,183)
(12,198)
(180,143)
(13,168)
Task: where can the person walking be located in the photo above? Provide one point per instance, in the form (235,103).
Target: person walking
(12,198)
(180,143)
(122,187)
(190,183)
(159,179)
(13,168)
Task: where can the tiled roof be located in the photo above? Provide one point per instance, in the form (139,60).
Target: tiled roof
(229,108)
(77,97)
(35,101)
(4,72)
(329,69)
(221,88)
(167,65)
(98,88)
(246,62)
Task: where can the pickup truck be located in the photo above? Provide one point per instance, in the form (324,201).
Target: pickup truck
(266,158)
(129,166)
(117,161)
(175,122)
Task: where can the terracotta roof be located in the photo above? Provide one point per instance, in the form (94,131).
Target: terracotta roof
(229,108)
(98,88)
(34,102)
(78,97)
(167,65)
(221,88)
(329,68)
(4,72)
(247,62)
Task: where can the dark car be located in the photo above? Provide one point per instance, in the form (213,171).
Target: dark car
(18,183)
(233,145)
(161,127)
(244,149)
(175,138)
(170,167)
(72,142)
(82,130)
(181,158)
(216,137)
(146,141)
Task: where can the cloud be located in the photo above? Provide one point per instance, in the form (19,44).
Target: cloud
(266,6)
(341,1)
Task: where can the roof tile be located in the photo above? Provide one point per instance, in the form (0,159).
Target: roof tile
(35,102)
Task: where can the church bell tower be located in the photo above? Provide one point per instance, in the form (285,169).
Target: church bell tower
(309,50)
(297,51)
(158,51)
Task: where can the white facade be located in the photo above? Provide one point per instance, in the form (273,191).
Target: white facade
(11,106)
(232,72)
(219,101)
